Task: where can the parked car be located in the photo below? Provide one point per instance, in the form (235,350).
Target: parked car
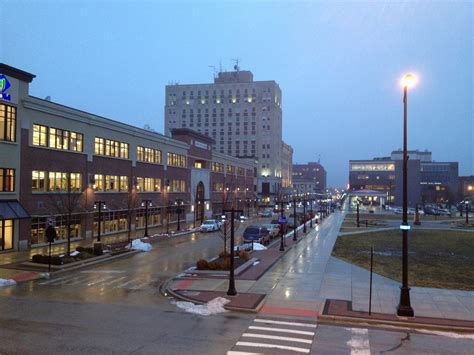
(257,234)
(273,229)
(210,225)
(266,213)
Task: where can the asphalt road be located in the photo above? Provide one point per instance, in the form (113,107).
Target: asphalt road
(116,308)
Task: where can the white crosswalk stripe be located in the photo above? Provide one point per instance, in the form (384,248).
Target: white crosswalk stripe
(100,279)
(276,336)
(359,342)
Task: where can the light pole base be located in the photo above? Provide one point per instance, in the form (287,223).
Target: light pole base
(232,291)
(404,308)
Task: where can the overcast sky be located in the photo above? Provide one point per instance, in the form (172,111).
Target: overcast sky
(337,63)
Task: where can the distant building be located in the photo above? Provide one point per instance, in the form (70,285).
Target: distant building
(429,181)
(466,187)
(242,116)
(310,177)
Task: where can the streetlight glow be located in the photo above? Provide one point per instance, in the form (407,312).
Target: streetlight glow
(409,80)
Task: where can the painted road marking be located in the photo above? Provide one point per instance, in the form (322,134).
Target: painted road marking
(260,320)
(359,342)
(292,331)
(259,335)
(232,352)
(102,272)
(274,337)
(52,281)
(114,281)
(99,281)
(273,346)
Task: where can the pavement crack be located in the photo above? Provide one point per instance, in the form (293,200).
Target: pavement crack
(399,345)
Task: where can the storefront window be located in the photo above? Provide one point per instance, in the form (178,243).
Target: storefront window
(6,234)
(39,224)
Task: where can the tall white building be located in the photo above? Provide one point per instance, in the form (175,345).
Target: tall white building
(243,116)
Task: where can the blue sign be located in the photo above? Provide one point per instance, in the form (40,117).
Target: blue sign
(4,86)
(282,220)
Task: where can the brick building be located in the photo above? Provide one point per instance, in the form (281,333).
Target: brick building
(57,163)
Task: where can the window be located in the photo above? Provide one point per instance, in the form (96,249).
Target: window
(148,155)
(98,182)
(57,181)
(7,180)
(218,186)
(75,181)
(38,180)
(111,183)
(154,217)
(111,221)
(230,169)
(176,160)
(148,184)
(38,228)
(58,138)
(76,143)
(40,135)
(111,148)
(177,186)
(6,234)
(217,167)
(123,183)
(7,123)
(199,164)
(240,171)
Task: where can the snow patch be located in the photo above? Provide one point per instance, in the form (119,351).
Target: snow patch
(7,282)
(74,253)
(137,244)
(214,306)
(256,263)
(256,246)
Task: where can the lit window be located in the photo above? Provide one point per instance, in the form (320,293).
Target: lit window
(7,123)
(38,181)
(40,135)
(7,180)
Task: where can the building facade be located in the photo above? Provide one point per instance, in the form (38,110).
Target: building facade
(309,176)
(59,164)
(429,181)
(243,116)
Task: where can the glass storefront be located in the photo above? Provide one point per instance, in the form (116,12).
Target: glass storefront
(39,224)
(6,234)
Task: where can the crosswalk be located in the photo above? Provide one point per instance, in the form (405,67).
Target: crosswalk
(111,279)
(266,335)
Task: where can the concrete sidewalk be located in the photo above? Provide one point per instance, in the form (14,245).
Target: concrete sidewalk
(301,281)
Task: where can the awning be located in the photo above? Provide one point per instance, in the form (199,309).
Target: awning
(12,209)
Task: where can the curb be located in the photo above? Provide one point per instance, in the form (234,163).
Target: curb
(379,322)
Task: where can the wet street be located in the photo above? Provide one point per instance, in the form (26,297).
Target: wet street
(116,307)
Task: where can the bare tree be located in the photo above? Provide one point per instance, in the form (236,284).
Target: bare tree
(132,203)
(225,229)
(67,203)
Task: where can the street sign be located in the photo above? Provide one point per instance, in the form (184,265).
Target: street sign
(282,220)
(51,221)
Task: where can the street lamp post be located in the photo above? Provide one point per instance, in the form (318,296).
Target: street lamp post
(358,222)
(467,211)
(404,308)
(304,214)
(294,219)
(179,204)
(146,203)
(312,213)
(232,291)
(98,206)
(282,226)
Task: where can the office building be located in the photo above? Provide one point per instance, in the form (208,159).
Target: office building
(310,177)
(242,116)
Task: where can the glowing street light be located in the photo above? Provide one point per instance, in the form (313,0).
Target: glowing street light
(404,307)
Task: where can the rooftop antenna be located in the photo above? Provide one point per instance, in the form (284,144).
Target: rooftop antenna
(220,66)
(214,71)
(236,66)
(319,158)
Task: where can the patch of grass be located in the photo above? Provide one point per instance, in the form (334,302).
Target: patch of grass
(443,259)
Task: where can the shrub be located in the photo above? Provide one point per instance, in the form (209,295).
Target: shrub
(223,254)
(245,255)
(85,250)
(225,264)
(213,265)
(37,258)
(202,264)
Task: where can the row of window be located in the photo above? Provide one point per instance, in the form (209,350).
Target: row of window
(44,136)
(110,183)
(110,148)
(42,181)
(148,155)
(39,224)
(7,180)
(177,160)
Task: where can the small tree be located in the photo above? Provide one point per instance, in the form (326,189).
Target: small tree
(132,205)
(66,203)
